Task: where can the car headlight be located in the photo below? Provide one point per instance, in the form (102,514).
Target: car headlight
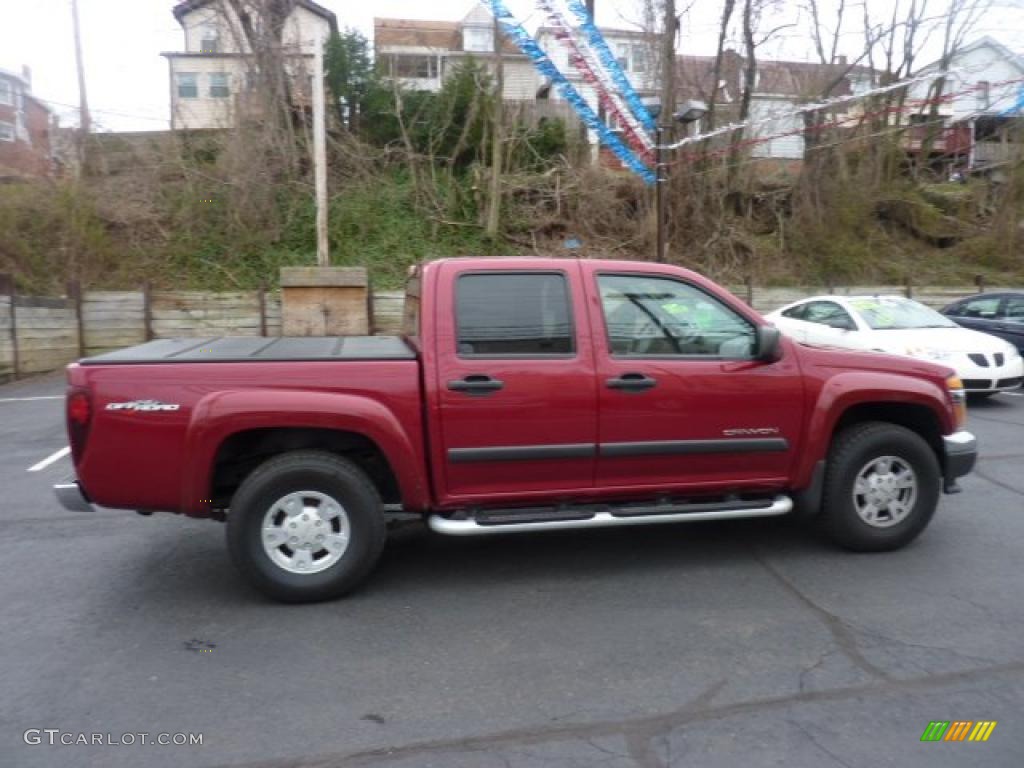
(928,353)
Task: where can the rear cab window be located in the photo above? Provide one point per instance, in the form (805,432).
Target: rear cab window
(514,314)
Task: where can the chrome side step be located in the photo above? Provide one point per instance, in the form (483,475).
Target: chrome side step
(607,517)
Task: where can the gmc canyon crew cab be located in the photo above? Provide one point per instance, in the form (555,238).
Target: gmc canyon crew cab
(527,394)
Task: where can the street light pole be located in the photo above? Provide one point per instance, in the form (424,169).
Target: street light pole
(661,178)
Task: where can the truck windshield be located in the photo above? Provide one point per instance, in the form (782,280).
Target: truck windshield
(896,314)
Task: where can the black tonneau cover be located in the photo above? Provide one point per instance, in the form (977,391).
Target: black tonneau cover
(243,349)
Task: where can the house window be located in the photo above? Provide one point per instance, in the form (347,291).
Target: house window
(422,67)
(210,40)
(6,93)
(478,39)
(632,57)
(219,88)
(6,131)
(188,85)
(984,94)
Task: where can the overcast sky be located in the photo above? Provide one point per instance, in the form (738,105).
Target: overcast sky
(128,81)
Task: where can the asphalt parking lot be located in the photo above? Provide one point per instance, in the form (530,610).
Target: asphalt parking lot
(742,644)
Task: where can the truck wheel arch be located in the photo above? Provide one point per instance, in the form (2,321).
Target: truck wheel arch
(226,420)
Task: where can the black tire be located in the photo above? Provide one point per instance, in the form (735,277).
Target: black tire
(854,449)
(320,473)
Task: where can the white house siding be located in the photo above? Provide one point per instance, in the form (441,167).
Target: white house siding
(976,64)
(303,28)
(219,15)
(299,32)
(558,53)
(786,147)
(205,111)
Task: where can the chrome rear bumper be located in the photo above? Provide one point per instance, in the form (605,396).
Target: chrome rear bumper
(70,496)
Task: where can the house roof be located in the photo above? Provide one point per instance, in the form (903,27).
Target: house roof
(441,35)
(424,34)
(795,79)
(986,41)
(186,7)
(11,75)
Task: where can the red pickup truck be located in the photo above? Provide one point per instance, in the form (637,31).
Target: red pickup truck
(526,394)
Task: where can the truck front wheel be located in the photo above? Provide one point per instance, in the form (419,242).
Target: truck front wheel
(305,526)
(881,487)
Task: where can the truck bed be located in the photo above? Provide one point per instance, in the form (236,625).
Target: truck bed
(241,349)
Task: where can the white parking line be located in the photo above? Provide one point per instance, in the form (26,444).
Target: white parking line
(50,459)
(27,399)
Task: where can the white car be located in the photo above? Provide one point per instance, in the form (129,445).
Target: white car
(900,326)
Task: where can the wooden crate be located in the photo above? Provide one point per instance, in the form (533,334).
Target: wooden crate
(324,301)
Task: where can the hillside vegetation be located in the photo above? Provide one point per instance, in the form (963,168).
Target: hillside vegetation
(409,178)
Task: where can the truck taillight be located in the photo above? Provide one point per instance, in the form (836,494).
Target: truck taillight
(79,411)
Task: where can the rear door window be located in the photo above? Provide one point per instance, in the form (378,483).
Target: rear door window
(1015,310)
(829,313)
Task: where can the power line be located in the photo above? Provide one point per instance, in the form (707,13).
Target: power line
(837,123)
(101,111)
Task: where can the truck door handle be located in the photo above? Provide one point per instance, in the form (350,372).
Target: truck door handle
(631,382)
(476,383)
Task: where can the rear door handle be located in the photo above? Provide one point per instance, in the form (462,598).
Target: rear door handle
(631,382)
(476,384)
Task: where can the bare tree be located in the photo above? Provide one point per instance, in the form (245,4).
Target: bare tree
(716,73)
(961,18)
(497,134)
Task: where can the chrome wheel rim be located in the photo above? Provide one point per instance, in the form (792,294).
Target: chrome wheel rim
(885,491)
(305,532)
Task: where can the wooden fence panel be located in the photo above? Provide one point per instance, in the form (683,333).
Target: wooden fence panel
(112,320)
(48,331)
(387,312)
(196,313)
(273,310)
(47,334)
(6,348)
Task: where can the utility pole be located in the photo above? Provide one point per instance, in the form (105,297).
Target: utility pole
(584,131)
(320,153)
(497,132)
(661,180)
(84,118)
(668,62)
(664,124)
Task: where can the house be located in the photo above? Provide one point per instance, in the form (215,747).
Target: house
(212,78)
(780,87)
(980,113)
(25,149)
(636,53)
(420,55)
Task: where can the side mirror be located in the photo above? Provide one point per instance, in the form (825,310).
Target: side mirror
(769,344)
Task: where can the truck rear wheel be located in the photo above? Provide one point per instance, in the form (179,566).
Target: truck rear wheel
(881,487)
(305,526)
